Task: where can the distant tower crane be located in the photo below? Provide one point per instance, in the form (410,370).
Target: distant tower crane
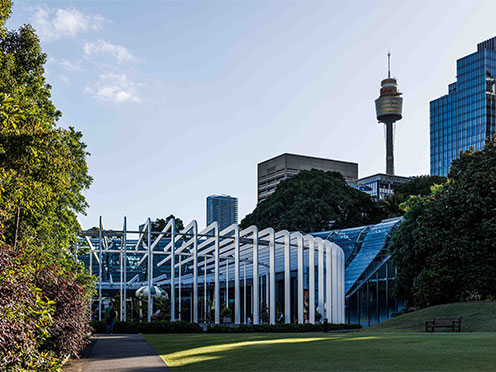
(388,108)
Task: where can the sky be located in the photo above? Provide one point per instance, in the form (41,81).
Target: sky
(178,100)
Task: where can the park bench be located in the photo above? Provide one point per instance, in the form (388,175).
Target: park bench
(455,323)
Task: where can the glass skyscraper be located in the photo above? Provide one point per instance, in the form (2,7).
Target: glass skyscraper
(223,209)
(466,116)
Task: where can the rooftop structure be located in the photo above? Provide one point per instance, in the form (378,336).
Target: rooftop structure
(380,185)
(389,107)
(271,172)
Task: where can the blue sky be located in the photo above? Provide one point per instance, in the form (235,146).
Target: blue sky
(178,100)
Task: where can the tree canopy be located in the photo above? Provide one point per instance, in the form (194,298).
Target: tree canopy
(314,200)
(444,250)
(160,223)
(43,175)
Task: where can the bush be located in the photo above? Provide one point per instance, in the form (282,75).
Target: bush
(280,328)
(24,318)
(153,327)
(72,314)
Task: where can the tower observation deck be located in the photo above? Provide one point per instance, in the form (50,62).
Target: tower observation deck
(388,108)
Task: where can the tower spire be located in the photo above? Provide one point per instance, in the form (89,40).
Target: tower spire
(389,64)
(388,108)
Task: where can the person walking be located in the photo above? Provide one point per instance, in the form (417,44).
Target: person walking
(110,315)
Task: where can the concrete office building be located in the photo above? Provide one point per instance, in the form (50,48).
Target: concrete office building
(271,172)
(466,116)
(222,209)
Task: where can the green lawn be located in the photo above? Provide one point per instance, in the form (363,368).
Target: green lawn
(476,317)
(366,350)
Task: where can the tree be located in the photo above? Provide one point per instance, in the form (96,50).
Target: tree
(43,175)
(444,249)
(160,223)
(418,186)
(314,201)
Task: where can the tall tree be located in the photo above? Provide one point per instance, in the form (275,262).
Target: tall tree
(43,175)
(314,201)
(444,250)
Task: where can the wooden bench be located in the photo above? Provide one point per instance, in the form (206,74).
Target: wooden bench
(455,323)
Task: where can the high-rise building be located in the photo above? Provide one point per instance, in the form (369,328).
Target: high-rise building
(271,172)
(388,108)
(465,117)
(223,209)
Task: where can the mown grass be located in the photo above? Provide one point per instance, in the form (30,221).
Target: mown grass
(476,317)
(399,344)
(354,351)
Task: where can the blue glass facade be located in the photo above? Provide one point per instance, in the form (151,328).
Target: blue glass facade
(369,271)
(223,209)
(465,117)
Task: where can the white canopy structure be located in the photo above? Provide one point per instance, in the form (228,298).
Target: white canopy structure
(210,260)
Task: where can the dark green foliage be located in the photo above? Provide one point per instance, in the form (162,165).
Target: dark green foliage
(280,328)
(43,175)
(160,223)
(418,186)
(24,317)
(314,201)
(153,327)
(187,327)
(445,248)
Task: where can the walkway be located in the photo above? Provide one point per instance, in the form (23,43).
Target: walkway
(124,353)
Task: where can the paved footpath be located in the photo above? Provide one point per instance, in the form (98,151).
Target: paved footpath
(118,353)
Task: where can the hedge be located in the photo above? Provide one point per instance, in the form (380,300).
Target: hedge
(187,327)
(144,327)
(286,328)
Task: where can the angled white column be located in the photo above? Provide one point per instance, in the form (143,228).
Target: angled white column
(340,285)
(124,270)
(180,289)
(244,292)
(237,302)
(284,236)
(321,285)
(215,229)
(311,278)
(205,288)
(299,241)
(253,231)
(195,271)
(335,283)
(328,279)
(100,270)
(150,273)
(172,227)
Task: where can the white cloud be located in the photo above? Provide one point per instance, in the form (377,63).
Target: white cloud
(54,24)
(101,47)
(112,87)
(65,64)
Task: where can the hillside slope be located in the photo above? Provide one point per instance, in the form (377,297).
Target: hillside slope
(476,317)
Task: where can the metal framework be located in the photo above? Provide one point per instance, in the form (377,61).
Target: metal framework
(247,260)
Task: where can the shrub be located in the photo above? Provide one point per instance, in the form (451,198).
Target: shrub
(72,314)
(24,318)
(153,327)
(280,328)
